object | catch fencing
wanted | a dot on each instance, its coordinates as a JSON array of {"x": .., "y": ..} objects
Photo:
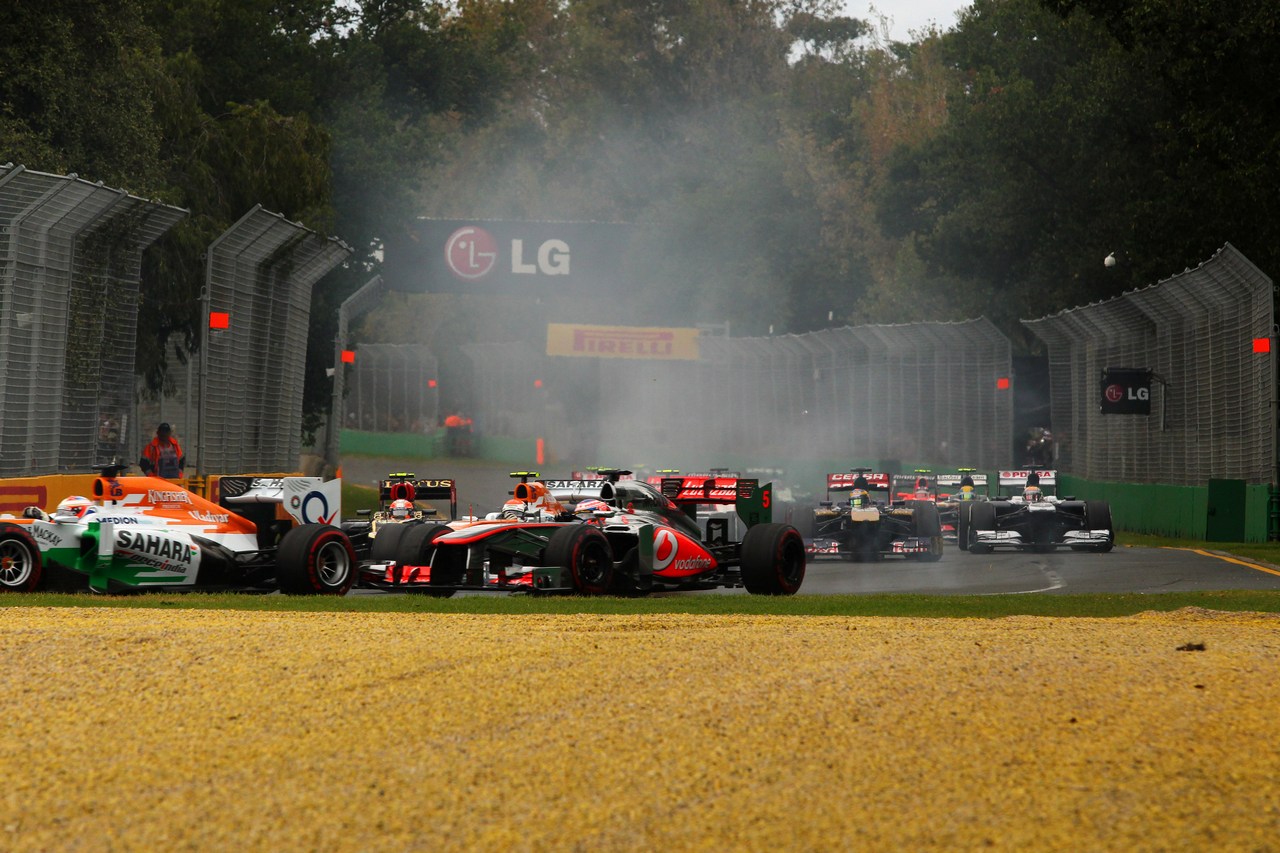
[
  {"x": 1212, "y": 398},
  {"x": 922, "y": 391},
  {"x": 258, "y": 284},
  {"x": 391, "y": 389},
  {"x": 70, "y": 271},
  {"x": 911, "y": 392}
]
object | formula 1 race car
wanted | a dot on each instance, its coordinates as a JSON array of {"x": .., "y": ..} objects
[
  {"x": 622, "y": 537},
  {"x": 1036, "y": 520},
  {"x": 140, "y": 533},
  {"x": 953, "y": 490},
  {"x": 871, "y": 524},
  {"x": 386, "y": 535}
]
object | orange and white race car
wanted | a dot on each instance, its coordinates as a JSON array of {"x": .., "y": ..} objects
[{"x": 145, "y": 533}]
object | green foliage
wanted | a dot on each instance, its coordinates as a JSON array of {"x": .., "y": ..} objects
[
  {"x": 75, "y": 90},
  {"x": 1071, "y": 136},
  {"x": 787, "y": 164}
]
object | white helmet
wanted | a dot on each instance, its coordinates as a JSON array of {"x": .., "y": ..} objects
[
  {"x": 401, "y": 508},
  {"x": 73, "y": 505}
]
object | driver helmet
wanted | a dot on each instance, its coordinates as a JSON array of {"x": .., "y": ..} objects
[
  {"x": 590, "y": 507},
  {"x": 401, "y": 508},
  {"x": 859, "y": 499},
  {"x": 1032, "y": 495},
  {"x": 965, "y": 494},
  {"x": 73, "y": 505}
]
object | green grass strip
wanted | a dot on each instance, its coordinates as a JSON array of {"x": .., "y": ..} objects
[{"x": 934, "y": 606}]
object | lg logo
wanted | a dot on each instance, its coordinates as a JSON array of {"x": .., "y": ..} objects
[
  {"x": 472, "y": 253},
  {"x": 1116, "y": 393}
]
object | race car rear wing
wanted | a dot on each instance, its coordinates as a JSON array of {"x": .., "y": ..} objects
[
  {"x": 1016, "y": 481},
  {"x": 843, "y": 482},
  {"x": 307, "y": 500},
  {"x": 407, "y": 487},
  {"x": 953, "y": 480},
  {"x": 752, "y": 501},
  {"x": 950, "y": 483}
]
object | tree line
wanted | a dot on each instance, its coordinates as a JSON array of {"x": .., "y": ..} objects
[{"x": 794, "y": 168}]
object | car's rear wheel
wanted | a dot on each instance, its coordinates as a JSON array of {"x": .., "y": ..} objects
[
  {"x": 21, "y": 567},
  {"x": 585, "y": 552},
  {"x": 315, "y": 559},
  {"x": 926, "y": 524},
  {"x": 772, "y": 560},
  {"x": 386, "y": 545},
  {"x": 1097, "y": 515},
  {"x": 418, "y": 544}
]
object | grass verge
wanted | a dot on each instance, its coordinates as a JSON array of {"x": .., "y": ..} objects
[{"x": 938, "y": 606}]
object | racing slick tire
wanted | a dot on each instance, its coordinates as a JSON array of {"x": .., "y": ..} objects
[
  {"x": 1097, "y": 515},
  {"x": 21, "y": 567},
  {"x": 981, "y": 517},
  {"x": 927, "y": 525},
  {"x": 772, "y": 560},
  {"x": 585, "y": 552},
  {"x": 417, "y": 545},
  {"x": 386, "y": 545},
  {"x": 962, "y": 524},
  {"x": 315, "y": 559}
]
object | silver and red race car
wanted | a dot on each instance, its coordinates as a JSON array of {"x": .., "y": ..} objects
[{"x": 609, "y": 536}]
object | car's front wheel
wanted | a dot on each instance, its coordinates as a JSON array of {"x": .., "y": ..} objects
[
  {"x": 585, "y": 552},
  {"x": 1097, "y": 516}
]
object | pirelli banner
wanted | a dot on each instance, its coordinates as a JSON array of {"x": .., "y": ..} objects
[
  {"x": 668, "y": 344},
  {"x": 505, "y": 257}
]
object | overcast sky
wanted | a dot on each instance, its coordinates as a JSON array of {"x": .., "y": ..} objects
[{"x": 908, "y": 15}]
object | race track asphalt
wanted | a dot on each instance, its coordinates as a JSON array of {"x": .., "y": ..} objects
[{"x": 483, "y": 485}]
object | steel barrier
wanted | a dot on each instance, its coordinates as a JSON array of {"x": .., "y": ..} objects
[
  {"x": 1212, "y": 398},
  {"x": 258, "y": 279},
  {"x": 70, "y": 268}
]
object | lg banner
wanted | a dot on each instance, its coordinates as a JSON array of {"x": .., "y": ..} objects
[
  {"x": 1126, "y": 391},
  {"x": 490, "y": 256}
]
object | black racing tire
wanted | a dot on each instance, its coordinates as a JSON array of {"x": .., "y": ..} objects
[
  {"x": 386, "y": 545},
  {"x": 417, "y": 545},
  {"x": 585, "y": 552},
  {"x": 981, "y": 517},
  {"x": 772, "y": 560},
  {"x": 926, "y": 524},
  {"x": 925, "y": 520},
  {"x": 315, "y": 559},
  {"x": 1097, "y": 515},
  {"x": 963, "y": 508},
  {"x": 21, "y": 565}
]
